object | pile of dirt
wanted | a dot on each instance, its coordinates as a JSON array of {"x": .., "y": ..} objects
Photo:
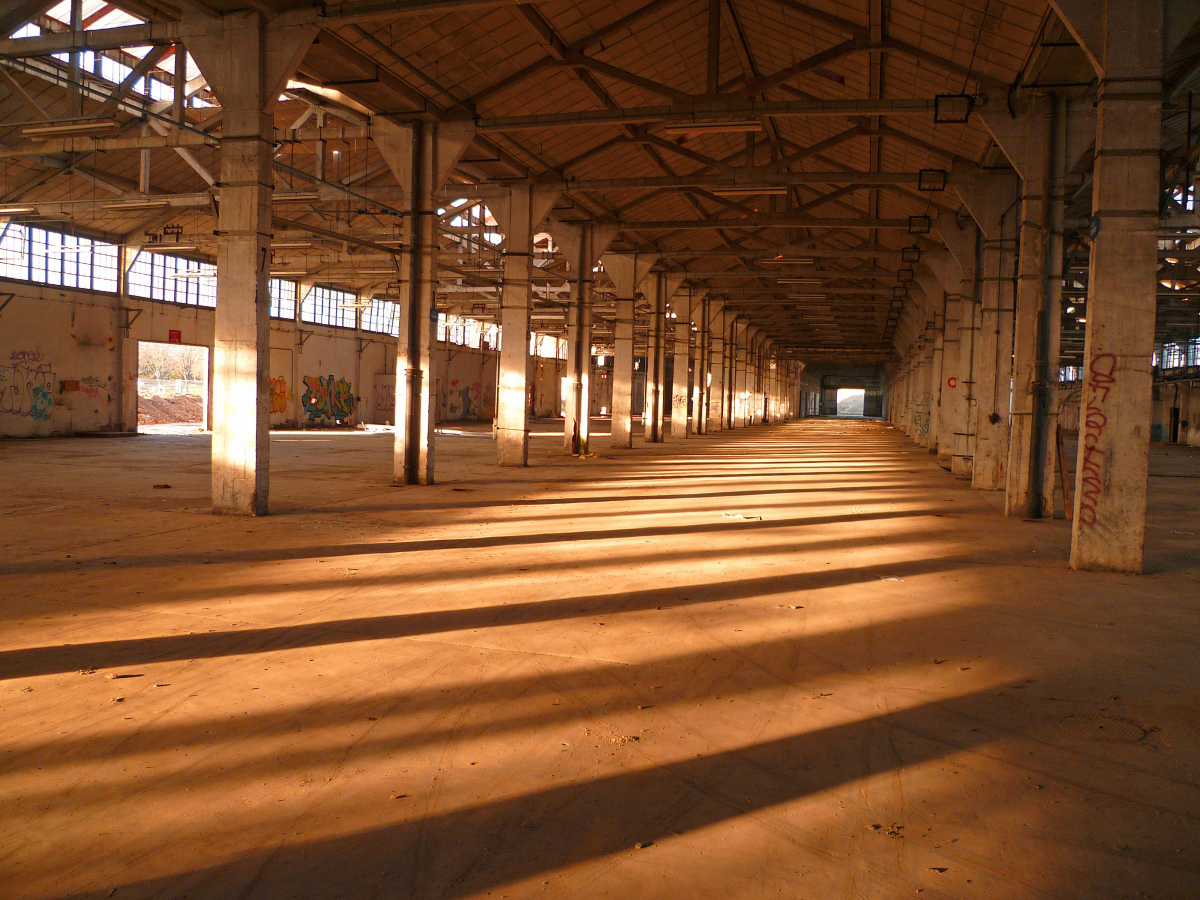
[{"x": 179, "y": 408}]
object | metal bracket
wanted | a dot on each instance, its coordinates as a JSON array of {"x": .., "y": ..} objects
[
  {"x": 129, "y": 320},
  {"x": 8, "y": 298},
  {"x": 363, "y": 343},
  {"x": 304, "y": 336}
]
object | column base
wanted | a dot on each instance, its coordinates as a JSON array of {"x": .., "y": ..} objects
[{"x": 512, "y": 447}]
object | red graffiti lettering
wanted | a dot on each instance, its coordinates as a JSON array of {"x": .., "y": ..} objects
[{"x": 1102, "y": 376}]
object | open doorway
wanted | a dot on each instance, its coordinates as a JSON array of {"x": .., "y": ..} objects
[
  {"x": 172, "y": 388},
  {"x": 850, "y": 401}
]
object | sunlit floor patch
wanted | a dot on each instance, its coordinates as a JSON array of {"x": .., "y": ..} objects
[{"x": 797, "y": 661}]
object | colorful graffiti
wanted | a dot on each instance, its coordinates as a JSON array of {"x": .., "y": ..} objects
[
  {"x": 461, "y": 400},
  {"x": 326, "y": 401},
  {"x": 279, "y": 395},
  {"x": 26, "y": 385},
  {"x": 91, "y": 385}
]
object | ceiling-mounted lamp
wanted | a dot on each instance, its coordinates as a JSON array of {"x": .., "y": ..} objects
[
  {"x": 919, "y": 224},
  {"x": 77, "y": 128},
  {"x": 807, "y": 297},
  {"x": 910, "y": 255},
  {"x": 288, "y": 273},
  {"x": 799, "y": 280},
  {"x": 774, "y": 191},
  {"x": 291, "y": 245},
  {"x": 295, "y": 196},
  {"x": 17, "y": 210},
  {"x": 952, "y": 108},
  {"x": 905, "y": 276},
  {"x": 788, "y": 261},
  {"x": 136, "y": 204},
  {"x": 900, "y": 292},
  {"x": 726, "y": 127},
  {"x": 932, "y": 179}
]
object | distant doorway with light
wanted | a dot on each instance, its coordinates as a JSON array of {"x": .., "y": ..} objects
[{"x": 850, "y": 401}]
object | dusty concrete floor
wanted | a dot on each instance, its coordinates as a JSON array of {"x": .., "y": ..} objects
[{"x": 797, "y": 661}]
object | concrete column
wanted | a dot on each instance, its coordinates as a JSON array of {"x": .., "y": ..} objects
[
  {"x": 1028, "y": 141},
  {"x": 948, "y": 392},
  {"x": 241, "y": 440},
  {"x": 741, "y": 383},
  {"x": 994, "y": 374},
  {"x": 420, "y": 156},
  {"x": 679, "y": 379},
  {"x": 656, "y": 350},
  {"x": 937, "y": 359},
  {"x": 626, "y": 272},
  {"x": 716, "y": 368},
  {"x": 968, "y": 333},
  {"x": 700, "y": 369},
  {"x": 413, "y": 454},
  {"x": 579, "y": 347},
  {"x": 512, "y": 397},
  {"x": 729, "y": 401},
  {"x": 1108, "y": 531},
  {"x": 622, "y": 400},
  {"x": 246, "y": 62}
]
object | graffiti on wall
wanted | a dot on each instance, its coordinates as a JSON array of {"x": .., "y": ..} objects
[
  {"x": 326, "y": 401},
  {"x": 461, "y": 400},
  {"x": 385, "y": 397},
  {"x": 26, "y": 385},
  {"x": 1102, "y": 376},
  {"x": 921, "y": 418},
  {"x": 279, "y": 395},
  {"x": 90, "y": 385}
]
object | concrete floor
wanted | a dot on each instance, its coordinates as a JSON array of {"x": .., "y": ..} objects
[{"x": 798, "y": 661}]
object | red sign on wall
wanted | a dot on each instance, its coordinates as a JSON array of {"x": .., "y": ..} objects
[
  {"x": 951, "y": 381},
  {"x": 174, "y": 337}
]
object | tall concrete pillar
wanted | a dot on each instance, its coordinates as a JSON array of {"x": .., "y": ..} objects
[
  {"x": 741, "y": 375},
  {"x": 626, "y": 272},
  {"x": 968, "y": 249},
  {"x": 579, "y": 346},
  {"x": 512, "y": 398},
  {"x": 936, "y": 360},
  {"x": 948, "y": 386},
  {"x": 1108, "y": 531},
  {"x": 700, "y": 368},
  {"x": 993, "y": 204},
  {"x": 1026, "y": 140},
  {"x": 246, "y": 61},
  {"x": 415, "y": 369},
  {"x": 622, "y": 399},
  {"x": 716, "y": 368},
  {"x": 729, "y": 401},
  {"x": 420, "y": 156},
  {"x": 680, "y": 426},
  {"x": 656, "y": 350}
]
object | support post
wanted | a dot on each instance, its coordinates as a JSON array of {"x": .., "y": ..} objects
[
  {"x": 246, "y": 62},
  {"x": 626, "y": 272},
  {"x": 717, "y": 368},
  {"x": 415, "y": 374},
  {"x": 1108, "y": 531},
  {"x": 700, "y": 369},
  {"x": 679, "y": 379},
  {"x": 512, "y": 398},
  {"x": 993, "y": 203},
  {"x": 579, "y": 347},
  {"x": 656, "y": 361}
]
